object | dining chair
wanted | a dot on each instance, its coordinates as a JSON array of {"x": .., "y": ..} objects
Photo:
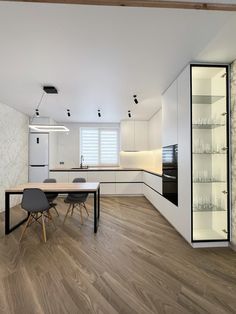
[
  {"x": 51, "y": 196},
  {"x": 76, "y": 200},
  {"x": 35, "y": 202}
]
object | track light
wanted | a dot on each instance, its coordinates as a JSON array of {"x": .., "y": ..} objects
[
  {"x": 129, "y": 114},
  {"x": 135, "y": 99},
  {"x": 37, "y": 112},
  {"x": 99, "y": 113},
  {"x": 68, "y": 112}
]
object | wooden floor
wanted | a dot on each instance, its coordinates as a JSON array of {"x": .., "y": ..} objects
[{"x": 136, "y": 263}]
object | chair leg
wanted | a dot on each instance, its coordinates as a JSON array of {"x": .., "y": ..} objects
[
  {"x": 72, "y": 210},
  {"x": 86, "y": 209},
  {"x": 68, "y": 210},
  {"x": 81, "y": 215},
  {"x": 25, "y": 227},
  {"x": 44, "y": 229},
  {"x": 56, "y": 210}
]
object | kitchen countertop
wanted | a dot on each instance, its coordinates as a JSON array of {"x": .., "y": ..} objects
[{"x": 61, "y": 169}]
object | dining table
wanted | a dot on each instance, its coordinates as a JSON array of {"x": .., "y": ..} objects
[{"x": 60, "y": 188}]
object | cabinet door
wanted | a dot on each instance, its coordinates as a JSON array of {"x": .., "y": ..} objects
[
  {"x": 60, "y": 176},
  {"x": 140, "y": 135},
  {"x": 101, "y": 176},
  {"x": 108, "y": 188},
  {"x": 77, "y": 174},
  {"x": 127, "y": 136},
  {"x": 170, "y": 115},
  {"x": 129, "y": 176},
  {"x": 129, "y": 188}
]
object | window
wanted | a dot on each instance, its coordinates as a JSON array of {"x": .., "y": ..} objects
[{"x": 99, "y": 146}]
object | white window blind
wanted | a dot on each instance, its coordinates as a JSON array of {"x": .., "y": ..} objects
[{"x": 99, "y": 146}]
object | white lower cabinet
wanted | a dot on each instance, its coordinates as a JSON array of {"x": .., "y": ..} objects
[
  {"x": 129, "y": 176},
  {"x": 101, "y": 176},
  {"x": 77, "y": 174},
  {"x": 129, "y": 188},
  {"x": 153, "y": 181},
  {"x": 107, "y": 188},
  {"x": 60, "y": 176}
]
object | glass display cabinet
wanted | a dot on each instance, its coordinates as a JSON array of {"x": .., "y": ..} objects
[{"x": 210, "y": 152}]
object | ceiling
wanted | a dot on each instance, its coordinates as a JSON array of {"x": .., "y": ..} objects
[{"x": 99, "y": 56}]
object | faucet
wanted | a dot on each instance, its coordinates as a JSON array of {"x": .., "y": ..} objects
[{"x": 81, "y": 161}]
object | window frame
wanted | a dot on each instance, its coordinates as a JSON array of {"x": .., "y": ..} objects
[{"x": 117, "y": 129}]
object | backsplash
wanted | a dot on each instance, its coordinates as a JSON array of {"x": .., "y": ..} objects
[
  {"x": 14, "y": 151},
  {"x": 233, "y": 134}
]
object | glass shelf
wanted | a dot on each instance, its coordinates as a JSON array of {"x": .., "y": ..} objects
[
  {"x": 208, "y": 208},
  {"x": 210, "y": 153},
  {"x": 205, "y": 99},
  {"x": 208, "y": 181},
  {"x": 207, "y": 126}
]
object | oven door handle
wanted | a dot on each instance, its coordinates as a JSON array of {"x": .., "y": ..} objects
[{"x": 169, "y": 177}]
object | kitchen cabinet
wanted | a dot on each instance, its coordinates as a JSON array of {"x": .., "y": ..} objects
[
  {"x": 77, "y": 174},
  {"x": 210, "y": 152},
  {"x": 170, "y": 115},
  {"x": 153, "y": 181},
  {"x": 129, "y": 188},
  {"x": 129, "y": 176},
  {"x": 60, "y": 176},
  {"x": 134, "y": 135},
  {"x": 101, "y": 176}
]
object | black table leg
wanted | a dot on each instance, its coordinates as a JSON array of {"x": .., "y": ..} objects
[
  {"x": 95, "y": 212},
  {"x": 98, "y": 202},
  {"x": 9, "y": 229}
]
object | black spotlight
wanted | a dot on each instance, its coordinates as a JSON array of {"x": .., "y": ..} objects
[
  {"x": 37, "y": 112},
  {"x": 99, "y": 113},
  {"x": 129, "y": 114},
  {"x": 135, "y": 99},
  {"x": 68, "y": 112}
]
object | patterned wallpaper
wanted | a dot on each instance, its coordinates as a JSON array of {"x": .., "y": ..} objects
[
  {"x": 13, "y": 151},
  {"x": 233, "y": 139}
]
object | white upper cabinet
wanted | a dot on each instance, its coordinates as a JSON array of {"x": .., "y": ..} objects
[
  {"x": 170, "y": 115},
  {"x": 134, "y": 135}
]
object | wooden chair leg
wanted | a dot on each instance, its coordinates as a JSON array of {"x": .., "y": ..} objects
[
  {"x": 25, "y": 227},
  {"x": 81, "y": 216},
  {"x": 56, "y": 210},
  {"x": 86, "y": 209},
  {"x": 68, "y": 210},
  {"x": 44, "y": 229},
  {"x": 72, "y": 211}
]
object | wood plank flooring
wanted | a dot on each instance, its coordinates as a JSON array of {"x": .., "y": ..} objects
[{"x": 136, "y": 263}]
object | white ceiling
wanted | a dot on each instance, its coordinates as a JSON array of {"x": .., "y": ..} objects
[{"x": 98, "y": 57}]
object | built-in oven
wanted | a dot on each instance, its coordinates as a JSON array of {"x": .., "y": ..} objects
[{"x": 170, "y": 173}]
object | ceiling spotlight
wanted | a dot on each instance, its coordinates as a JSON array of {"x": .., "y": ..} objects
[
  {"x": 68, "y": 112},
  {"x": 135, "y": 99},
  {"x": 129, "y": 114},
  {"x": 99, "y": 113},
  {"x": 37, "y": 112}
]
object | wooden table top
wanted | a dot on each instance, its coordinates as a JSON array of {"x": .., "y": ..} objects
[{"x": 58, "y": 187}]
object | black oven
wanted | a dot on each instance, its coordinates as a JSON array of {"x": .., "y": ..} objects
[{"x": 170, "y": 173}]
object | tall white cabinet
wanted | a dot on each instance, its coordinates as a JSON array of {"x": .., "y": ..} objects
[{"x": 195, "y": 111}]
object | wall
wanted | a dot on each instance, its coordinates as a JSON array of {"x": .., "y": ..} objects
[
  {"x": 14, "y": 151},
  {"x": 152, "y": 159},
  {"x": 67, "y": 145},
  {"x": 233, "y": 139}
]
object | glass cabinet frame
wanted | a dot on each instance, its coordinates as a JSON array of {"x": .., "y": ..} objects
[{"x": 209, "y": 205}]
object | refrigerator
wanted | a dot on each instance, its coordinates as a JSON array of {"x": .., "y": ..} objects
[{"x": 38, "y": 157}]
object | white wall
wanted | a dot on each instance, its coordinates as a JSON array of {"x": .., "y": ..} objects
[
  {"x": 65, "y": 147},
  {"x": 13, "y": 151}
]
